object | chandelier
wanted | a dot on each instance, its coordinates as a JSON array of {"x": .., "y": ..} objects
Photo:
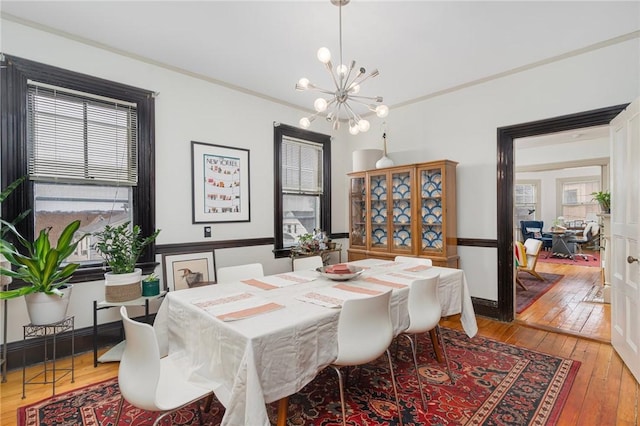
[{"x": 347, "y": 81}]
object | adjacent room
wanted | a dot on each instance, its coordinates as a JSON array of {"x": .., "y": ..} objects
[{"x": 319, "y": 212}]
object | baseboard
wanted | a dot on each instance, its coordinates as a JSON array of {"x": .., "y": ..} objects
[{"x": 33, "y": 349}]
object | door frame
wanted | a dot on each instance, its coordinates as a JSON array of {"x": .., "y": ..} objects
[{"x": 505, "y": 181}]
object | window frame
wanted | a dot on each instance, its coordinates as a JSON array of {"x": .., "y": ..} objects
[
  {"x": 536, "y": 184},
  {"x": 13, "y": 133},
  {"x": 283, "y": 130},
  {"x": 561, "y": 182}
]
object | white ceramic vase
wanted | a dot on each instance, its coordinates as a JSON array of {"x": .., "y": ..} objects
[
  {"x": 48, "y": 308},
  {"x": 384, "y": 161}
]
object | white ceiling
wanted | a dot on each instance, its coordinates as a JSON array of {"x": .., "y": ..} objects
[{"x": 420, "y": 47}]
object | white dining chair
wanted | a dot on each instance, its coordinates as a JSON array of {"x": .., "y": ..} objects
[
  {"x": 418, "y": 260},
  {"x": 424, "y": 315},
  {"x": 230, "y": 274},
  {"x": 149, "y": 382},
  {"x": 365, "y": 332},
  {"x": 306, "y": 263}
]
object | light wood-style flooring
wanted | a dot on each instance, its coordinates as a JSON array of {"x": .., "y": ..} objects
[
  {"x": 604, "y": 393},
  {"x": 562, "y": 309}
]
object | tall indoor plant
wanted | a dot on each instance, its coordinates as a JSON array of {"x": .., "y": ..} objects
[
  {"x": 42, "y": 267},
  {"x": 121, "y": 246},
  {"x": 604, "y": 199}
]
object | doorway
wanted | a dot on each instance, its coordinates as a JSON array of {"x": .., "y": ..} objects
[
  {"x": 555, "y": 176},
  {"x": 505, "y": 182}
]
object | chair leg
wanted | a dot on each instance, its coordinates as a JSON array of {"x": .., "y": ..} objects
[
  {"x": 444, "y": 352},
  {"x": 415, "y": 364},
  {"x": 395, "y": 388},
  {"x": 119, "y": 411},
  {"x": 162, "y": 416},
  {"x": 519, "y": 282},
  {"x": 340, "y": 385}
]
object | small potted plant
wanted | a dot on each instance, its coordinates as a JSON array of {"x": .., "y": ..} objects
[
  {"x": 42, "y": 267},
  {"x": 151, "y": 285},
  {"x": 604, "y": 199},
  {"x": 121, "y": 246}
]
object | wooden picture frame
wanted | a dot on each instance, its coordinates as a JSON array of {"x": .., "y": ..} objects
[
  {"x": 188, "y": 270},
  {"x": 220, "y": 183}
]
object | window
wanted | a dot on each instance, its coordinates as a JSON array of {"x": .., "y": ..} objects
[
  {"x": 526, "y": 200},
  {"x": 577, "y": 203},
  {"x": 86, "y": 145},
  {"x": 302, "y": 185}
]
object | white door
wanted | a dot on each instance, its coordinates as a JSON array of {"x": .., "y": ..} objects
[{"x": 625, "y": 234}]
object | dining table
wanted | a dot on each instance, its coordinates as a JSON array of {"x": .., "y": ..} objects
[{"x": 259, "y": 340}]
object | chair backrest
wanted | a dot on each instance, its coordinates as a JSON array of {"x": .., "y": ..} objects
[
  {"x": 590, "y": 231},
  {"x": 424, "y": 305},
  {"x": 532, "y": 248},
  {"x": 305, "y": 263},
  {"x": 531, "y": 228},
  {"x": 418, "y": 260},
  {"x": 230, "y": 274},
  {"x": 365, "y": 330},
  {"x": 139, "y": 370}
]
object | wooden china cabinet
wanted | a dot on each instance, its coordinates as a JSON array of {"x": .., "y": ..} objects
[{"x": 404, "y": 210}]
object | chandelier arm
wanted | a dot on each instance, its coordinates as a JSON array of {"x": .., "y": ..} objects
[
  {"x": 372, "y": 98},
  {"x": 355, "y": 115},
  {"x": 330, "y": 71},
  {"x": 318, "y": 89},
  {"x": 367, "y": 77},
  {"x": 346, "y": 79}
]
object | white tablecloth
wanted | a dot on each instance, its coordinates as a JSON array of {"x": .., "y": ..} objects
[{"x": 263, "y": 358}]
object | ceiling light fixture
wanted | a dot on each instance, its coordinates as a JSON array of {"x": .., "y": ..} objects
[{"x": 347, "y": 86}]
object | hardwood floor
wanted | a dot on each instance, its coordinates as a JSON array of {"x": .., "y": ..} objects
[
  {"x": 604, "y": 393},
  {"x": 562, "y": 309}
]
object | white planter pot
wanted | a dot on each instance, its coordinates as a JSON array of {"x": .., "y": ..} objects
[
  {"x": 48, "y": 308},
  {"x": 122, "y": 287}
]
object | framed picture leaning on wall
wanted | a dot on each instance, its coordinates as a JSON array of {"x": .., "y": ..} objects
[{"x": 188, "y": 270}]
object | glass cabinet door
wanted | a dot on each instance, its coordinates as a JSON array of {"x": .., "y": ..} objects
[
  {"x": 358, "y": 212},
  {"x": 431, "y": 210},
  {"x": 401, "y": 182},
  {"x": 378, "y": 211}
]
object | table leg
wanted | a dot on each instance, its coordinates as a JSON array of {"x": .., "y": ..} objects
[
  {"x": 95, "y": 334},
  {"x": 283, "y": 405},
  {"x": 436, "y": 345}
]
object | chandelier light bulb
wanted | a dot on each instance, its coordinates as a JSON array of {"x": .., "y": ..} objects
[
  {"x": 305, "y": 123},
  {"x": 303, "y": 83},
  {"x": 341, "y": 70},
  {"x": 354, "y": 130},
  {"x": 324, "y": 55},
  {"x": 382, "y": 111},
  {"x": 363, "y": 125},
  {"x": 320, "y": 104},
  {"x": 355, "y": 89}
]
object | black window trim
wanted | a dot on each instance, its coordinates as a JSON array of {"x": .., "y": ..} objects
[
  {"x": 13, "y": 162},
  {"x": 280, "y": 131}
]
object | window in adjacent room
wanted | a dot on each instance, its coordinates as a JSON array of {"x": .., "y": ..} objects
[
  {"x": 302, "y": 185},
  {"x": 577, "y": 203},
  {"x": 527, "y": 201},
  {"x": 84, "y": 141}
]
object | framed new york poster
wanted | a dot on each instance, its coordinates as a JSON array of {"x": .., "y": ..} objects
[{"x": 220, "y": 179}]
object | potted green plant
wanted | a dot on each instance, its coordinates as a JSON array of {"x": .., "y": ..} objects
[
  {"x": 42, "y": 267},
  {"x": 604, "y": 199},
  {"x": 151, "y": 285},
  {"x": 121, "y": 246}
]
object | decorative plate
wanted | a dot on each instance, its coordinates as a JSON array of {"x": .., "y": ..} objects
[{"x": 325, "y": 271}]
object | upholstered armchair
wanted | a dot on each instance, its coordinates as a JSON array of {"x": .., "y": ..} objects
[{"x": 533, "y": 229}]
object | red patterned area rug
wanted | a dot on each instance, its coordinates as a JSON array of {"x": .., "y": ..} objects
[
  {"x": 496, "y": 384},
  {"x": 593, "y": 259},
  {"x": 535, "y": 288}
]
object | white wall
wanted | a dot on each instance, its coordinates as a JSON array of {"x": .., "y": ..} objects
[
  {"x": 460, "y": 126},
  {"x": 187, "y": 109}
]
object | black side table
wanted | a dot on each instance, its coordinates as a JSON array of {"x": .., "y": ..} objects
[{"x": 48, "y": 374}]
